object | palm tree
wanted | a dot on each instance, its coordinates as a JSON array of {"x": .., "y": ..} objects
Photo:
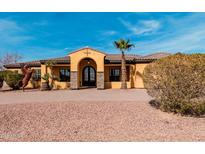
[{"x": 123, "y": 45}]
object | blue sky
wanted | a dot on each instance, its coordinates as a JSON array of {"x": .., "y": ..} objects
[{"x": 46, "y": 35}]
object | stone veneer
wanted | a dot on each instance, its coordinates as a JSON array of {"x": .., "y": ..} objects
[
  {"x": 100, "y": 80},
  {"x": 74, "y": 80}
]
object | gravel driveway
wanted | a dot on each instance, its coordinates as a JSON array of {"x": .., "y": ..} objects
[
  {"x": 36, "y": 96},
  {"x": 91, "y": 115}
]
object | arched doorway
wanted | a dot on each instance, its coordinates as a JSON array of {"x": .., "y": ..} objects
[
  {"x": 89, "y": 76},
  {"x": 87, "y": 73}
]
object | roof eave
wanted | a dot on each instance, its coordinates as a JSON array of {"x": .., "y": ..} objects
[{"x": 55, "y": 61}]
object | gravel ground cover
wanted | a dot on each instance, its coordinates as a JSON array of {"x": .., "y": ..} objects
[
  {"x": 36, "y": 96},
  {"x": 95, "y": 121}
]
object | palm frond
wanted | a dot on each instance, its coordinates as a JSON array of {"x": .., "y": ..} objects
[
  {"x": 123, "y": 44},
  {"x": 116, "y": 44}
]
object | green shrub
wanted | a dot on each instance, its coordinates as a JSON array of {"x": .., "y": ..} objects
[
  {"x": 46, "y": 77},
  {"x": 12, "y": 79},
  {"x": 177, "y": 83},
  {"x": 2, "y": 74},
  {"x": 1, "y": 79},
  {"x": 1, "y": 83}
]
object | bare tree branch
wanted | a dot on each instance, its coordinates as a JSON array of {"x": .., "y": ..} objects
[{"x": 9, "y": 58}]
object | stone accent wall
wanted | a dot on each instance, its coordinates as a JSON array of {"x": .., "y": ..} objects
[
  {"x": 100, "y": 80},
  {"x": 74, "y": 80}
]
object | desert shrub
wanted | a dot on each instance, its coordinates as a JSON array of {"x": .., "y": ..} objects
[
  {"x": 1, "y": 79},
  {"x": 12, "y": 79},
  {"x": 2, "y": 74},
  {"x": 177, "y": 83}
]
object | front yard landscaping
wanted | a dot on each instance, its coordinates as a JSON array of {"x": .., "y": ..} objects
[
  {"x": 97, "y": 118},
  {"x": 177, "y": 83}
]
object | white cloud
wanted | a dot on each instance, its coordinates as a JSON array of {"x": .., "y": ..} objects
[
  {"x": 188, "y": 40},
  {"x": 142, "y": 27},
  {"x": 8, "y": 25},
  {"x": 12, "y": 33},
  {"x": 179, "y": 34},
  {"x": 109, "y": 33}
]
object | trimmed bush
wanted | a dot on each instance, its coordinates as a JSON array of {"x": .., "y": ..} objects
[
  {"x": 177, "y": 83},
  {"x": 12, "y": 79}
]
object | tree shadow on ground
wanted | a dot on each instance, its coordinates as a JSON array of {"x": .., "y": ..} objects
[{"x": 154, "y": 103}]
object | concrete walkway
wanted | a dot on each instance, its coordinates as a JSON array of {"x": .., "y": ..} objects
[{"x": 36, "y": 96}]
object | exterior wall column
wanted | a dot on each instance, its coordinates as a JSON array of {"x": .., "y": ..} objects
[
  {"x": 100, "y": 81},
  {"x": 73, "y": 74},
  {"x": 74, "y": 80},
  {"x": 100, "y": 75}
]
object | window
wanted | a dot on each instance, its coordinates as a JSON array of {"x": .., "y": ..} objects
[
  {"x": 37, "y": 75},
  {"x": 115, "y": 74},
  {"x": 64, "y": 75}
]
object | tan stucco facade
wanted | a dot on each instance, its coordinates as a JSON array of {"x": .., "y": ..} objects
[
  {"x": 79, "y": 60},
  {"x": 77, "y": 64},
  {"x": 77, "y": 56}
]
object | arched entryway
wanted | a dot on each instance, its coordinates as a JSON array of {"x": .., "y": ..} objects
[
  {"x": 86, "y": 57},
  {"x": 87, "y": 73},
  {"x": 89, "y": 76}
]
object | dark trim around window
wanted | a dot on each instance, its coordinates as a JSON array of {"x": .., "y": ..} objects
[
  {"x": 64, "y": 75},
  {"x": 115, "y": 74},
  {"x": 37, "y": 75}
]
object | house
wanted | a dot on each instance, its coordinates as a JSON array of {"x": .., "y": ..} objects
[{"x": 88, "y": 67}]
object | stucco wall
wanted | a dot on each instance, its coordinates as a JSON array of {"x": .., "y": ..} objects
[
  {"x": 115, "y": 84},
  {"x": 56, "y": 72},
  {"x": 134, "y": 71},
  {"x": 135, "y": 79},
  {"x": 77, "y": 57},
  {"x": 136, "y": 75},
  {"x": 60, "y": 84}
]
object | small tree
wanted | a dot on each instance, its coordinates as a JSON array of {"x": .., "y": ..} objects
[
  {"x": 13, "y": 79},
  {"x": 9, "y": 58},
  {"x": 123, "y": 45}
]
